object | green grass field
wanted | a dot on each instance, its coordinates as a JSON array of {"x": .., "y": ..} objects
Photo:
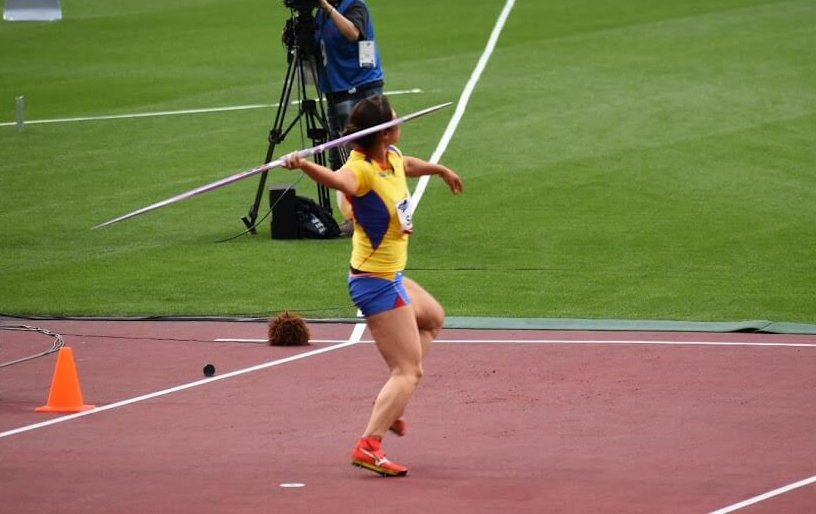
[{"x": 622, "y": 160}]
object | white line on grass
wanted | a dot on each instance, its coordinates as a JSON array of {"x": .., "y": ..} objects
[
  {"x": 449, "y": 131},
  {"x": 462, "y": 103},
  {"x": 355, "y": 337},
  {"x": 559, "y": 341},
  {"x": 453, "y": 124},
  {"x": 763, "y": 497},
  {"x": 175, "y": 113}
]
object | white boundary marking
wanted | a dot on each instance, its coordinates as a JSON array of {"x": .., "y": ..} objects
[
  {"x": 462, "y": 103},
  {"x": 175, "y": 113},
  {"x": 352, "y": 340},
  {"x": 765, "y": 496},
  {"x": 559, "y": 341}
]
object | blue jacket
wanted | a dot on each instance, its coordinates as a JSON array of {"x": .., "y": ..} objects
[{"x": 341, "y": 57}]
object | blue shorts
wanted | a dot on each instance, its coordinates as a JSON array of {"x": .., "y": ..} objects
[{"x": 373, "y": 295}]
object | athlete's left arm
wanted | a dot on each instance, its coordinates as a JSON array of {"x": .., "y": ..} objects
[{"x": 416, "y": 167}]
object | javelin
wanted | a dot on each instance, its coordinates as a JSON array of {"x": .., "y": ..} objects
[{"x": 273, "y": 164}]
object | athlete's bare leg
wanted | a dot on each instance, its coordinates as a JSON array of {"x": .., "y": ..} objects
[{"x": 398, "y": 340}]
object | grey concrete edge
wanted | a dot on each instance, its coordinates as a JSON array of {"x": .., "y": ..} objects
[
  {"x": 762, "y": 326},
  {"x": 496, "y": 323}
]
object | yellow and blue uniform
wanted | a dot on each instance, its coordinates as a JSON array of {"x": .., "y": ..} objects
[{"x": 381, "y": 229}]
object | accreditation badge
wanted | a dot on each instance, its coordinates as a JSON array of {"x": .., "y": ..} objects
[{"x": 368, "y": 54}]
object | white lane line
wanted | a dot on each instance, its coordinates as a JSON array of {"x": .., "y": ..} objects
[
  {"x": 182, "y": 387},
  {"x": 461, "y": 105},
  {"x": 765, "y": 496},
  {"x": 176, "y": 113},
  {"x": 557, "y": 341}
]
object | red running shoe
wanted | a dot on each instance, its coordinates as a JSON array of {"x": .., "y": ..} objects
[
  {"x": 368, "y": 454},
  {"x": 399, "y": 427}
]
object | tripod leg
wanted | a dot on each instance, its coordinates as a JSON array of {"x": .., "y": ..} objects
[
  {"x": 318, "y": 133},
  {"x": 317, "y": 127},
  {"x": 276, "y": 136}
]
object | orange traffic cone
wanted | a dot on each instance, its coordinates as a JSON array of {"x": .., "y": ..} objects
[{"x": 65, "y": 395}]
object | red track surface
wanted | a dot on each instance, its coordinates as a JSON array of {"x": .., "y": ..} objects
[{"x": 495, "y": 427}]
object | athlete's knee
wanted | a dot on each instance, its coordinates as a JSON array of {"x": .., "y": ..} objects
[
  {"x": 411, "y": 374},
  {"x": 416, "y": 373},
  {"x": 433, "y": 320}
]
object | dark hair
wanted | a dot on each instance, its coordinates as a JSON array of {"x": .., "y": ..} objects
[{"x": 369, "y": 112}]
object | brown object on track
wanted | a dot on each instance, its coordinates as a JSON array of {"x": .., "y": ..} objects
[{"x": 288, "y": 329}]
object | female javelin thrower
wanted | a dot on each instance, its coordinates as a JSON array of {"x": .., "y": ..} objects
[{"x": 403, "y": 317}]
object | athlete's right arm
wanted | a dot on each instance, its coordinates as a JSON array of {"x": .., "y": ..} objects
[{"x": 343, "y": 180}]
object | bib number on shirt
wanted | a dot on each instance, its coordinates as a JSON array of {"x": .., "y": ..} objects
[{"x": 405, "y": 216}]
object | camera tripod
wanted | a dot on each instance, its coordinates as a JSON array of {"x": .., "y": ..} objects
[{"x": 302, "y": 69}]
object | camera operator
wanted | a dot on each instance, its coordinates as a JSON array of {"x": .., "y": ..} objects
[{"x": 351, "y": 67}]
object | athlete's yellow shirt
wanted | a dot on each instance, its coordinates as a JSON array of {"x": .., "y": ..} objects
[{"x": 380, "y": 204}]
